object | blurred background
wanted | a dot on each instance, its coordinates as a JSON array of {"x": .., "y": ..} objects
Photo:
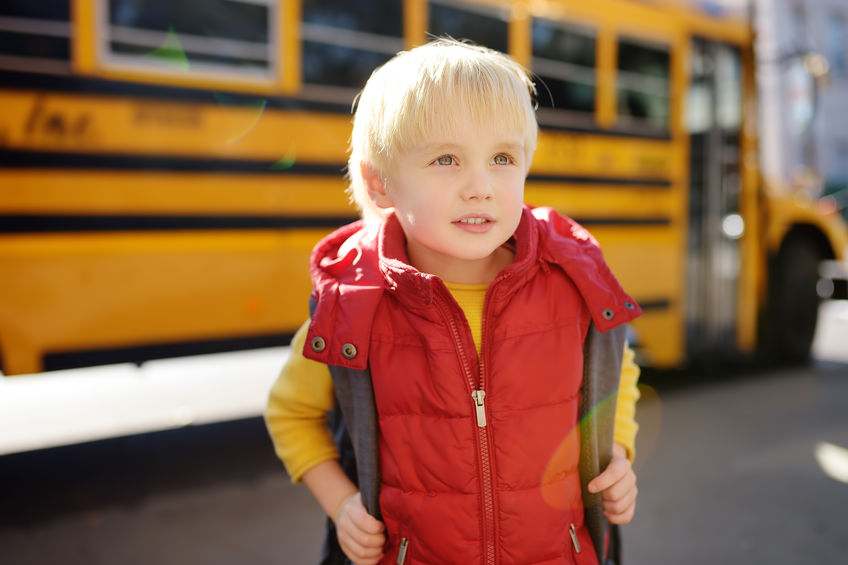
[{"x": 167, "y": 165}]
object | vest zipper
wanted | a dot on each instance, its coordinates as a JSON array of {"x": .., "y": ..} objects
[
  {"x": 478, "y": 395},
  {"x": 488, "y": 489},
  {"x": 574, "y": 539},
  {"x": 404, "y": 545},
  {"x": 488, "y": 496}
]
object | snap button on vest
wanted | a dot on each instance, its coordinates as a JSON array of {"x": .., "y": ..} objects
[
  {"x": 608, "y": 314},
  {"x": 349, "y": 351},
  {"x": 318, "y": 344}
]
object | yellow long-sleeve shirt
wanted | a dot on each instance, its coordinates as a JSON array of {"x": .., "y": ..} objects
[{"x": 296, "y": 414}]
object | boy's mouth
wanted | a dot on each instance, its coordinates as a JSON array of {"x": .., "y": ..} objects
[
  {"x": 474, "y": 219},
  {"x": 474, "y": 223}
]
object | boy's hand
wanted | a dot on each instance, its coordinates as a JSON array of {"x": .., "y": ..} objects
[
  {"x": 360, "y": 534},
  {"x": 617, "y": 485}
]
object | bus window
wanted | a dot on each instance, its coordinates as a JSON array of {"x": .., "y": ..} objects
[
  {"x": 35, "y": 36},
  {"x": 343, "y": 42},
  {"x": 225, "y": 37},
  {"x": 483, "y": 25},
  {"x": 564, "y": 67},
  {"x": 643, "y": 84}
]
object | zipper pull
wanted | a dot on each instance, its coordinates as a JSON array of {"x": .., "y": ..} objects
[
  {"x": 404, "y": 545},
  {"x": 574, "y": 539},
  {"x": 479, "y": 397}
]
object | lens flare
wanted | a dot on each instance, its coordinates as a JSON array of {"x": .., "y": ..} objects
[
  {"x": 249, "y": 113},
  {"x": 557, "y": 492},
  {"x": 287, "y": 162},
  {"x": 170, "y": 53},
  {"x": 562, "y": 494}
]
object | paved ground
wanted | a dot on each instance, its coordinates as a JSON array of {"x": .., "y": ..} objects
[
  {"x": 749, "y": 469},
  {"x": 211, "y": 494}
]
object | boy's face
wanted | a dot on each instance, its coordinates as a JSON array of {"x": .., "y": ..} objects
[{"x": 458, "y": 196}]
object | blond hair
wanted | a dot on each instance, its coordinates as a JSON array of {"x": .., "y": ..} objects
[{"x": 418, "y": 92}]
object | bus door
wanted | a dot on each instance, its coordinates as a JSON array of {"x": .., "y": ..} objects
[{"x": 714, "y": 120}]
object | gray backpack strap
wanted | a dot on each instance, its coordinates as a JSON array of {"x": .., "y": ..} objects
[
  {"x": 354, "y": 426},
  {"x": 353, "y": 423},
  {"x": 602, "y": 356},
  {"x": 355, "y": 398}
]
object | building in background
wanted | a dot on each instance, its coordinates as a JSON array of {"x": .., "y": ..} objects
[{"x": 804, "y": 120}]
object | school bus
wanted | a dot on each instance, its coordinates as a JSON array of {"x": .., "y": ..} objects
[{"x": 166, "y": 167}]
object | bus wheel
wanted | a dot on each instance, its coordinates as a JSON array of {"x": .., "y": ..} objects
[{"x": 794, "y": 301}]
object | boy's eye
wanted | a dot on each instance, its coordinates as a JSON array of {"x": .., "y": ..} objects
[
  {"x": 445, "y": 160},
  {"x": 501, "y": 159}
]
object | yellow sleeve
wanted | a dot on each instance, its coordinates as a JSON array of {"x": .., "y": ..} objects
[
  {"x": 296, "y": 414},
  {"x": 625, "y": 409}
]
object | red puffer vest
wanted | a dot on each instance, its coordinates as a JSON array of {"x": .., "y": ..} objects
[{"x": 477, "y": 455}]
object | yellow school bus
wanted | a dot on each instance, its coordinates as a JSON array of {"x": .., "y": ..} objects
[{"x": 167, "y": 165}]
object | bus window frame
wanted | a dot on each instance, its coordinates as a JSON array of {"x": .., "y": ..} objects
[
  {"x": 494, "y": 11},
  {"x": 349, "y": 38},
  {"x": 567, "y": 118},
  {"x": 643, "y": 126},
  {"x": 202, "y": 74},
  {"x": 39, "y": 27}
]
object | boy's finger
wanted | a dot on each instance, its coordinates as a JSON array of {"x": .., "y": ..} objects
[
  {"x": 621, "y": 488},
  {"x": 609, "y": 477},
  {"x": 368, "y": 524},
  {"x": 367, "y": 551},
  {"x": 354, "y": 547},
  {"x": 365, "y": 521},
  {"x": 363, "y": 556},
  {"x": 622, "y": 503},
  {"x": 623, "y": 518},
  {"x": 622, "y": 512},
  {"x": 370, "y": 541}
]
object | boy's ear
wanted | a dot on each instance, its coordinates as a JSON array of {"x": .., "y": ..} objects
[{"x": 376, "y": 186}]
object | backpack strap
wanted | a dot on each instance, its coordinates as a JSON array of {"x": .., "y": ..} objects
[
  {"x": 602, "y": 357},
  {"x": 353, "y": 423}
]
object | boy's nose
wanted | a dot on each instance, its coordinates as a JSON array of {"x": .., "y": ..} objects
[{"x": 478, "y": 187}]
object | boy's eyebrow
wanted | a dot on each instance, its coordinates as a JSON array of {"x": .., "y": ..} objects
[
  {"x": 516, "y": 144},
  {"x": 435, "y": 146},
  {"x": 513, "y": 144}
]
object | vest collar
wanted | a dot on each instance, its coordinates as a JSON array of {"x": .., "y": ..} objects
[{"x": 348, "y": 287}]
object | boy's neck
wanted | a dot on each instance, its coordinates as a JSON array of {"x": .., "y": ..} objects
[{"x": 461, "y": 271}]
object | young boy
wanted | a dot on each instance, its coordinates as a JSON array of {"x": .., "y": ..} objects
[{"x": 465, "y": 334}]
